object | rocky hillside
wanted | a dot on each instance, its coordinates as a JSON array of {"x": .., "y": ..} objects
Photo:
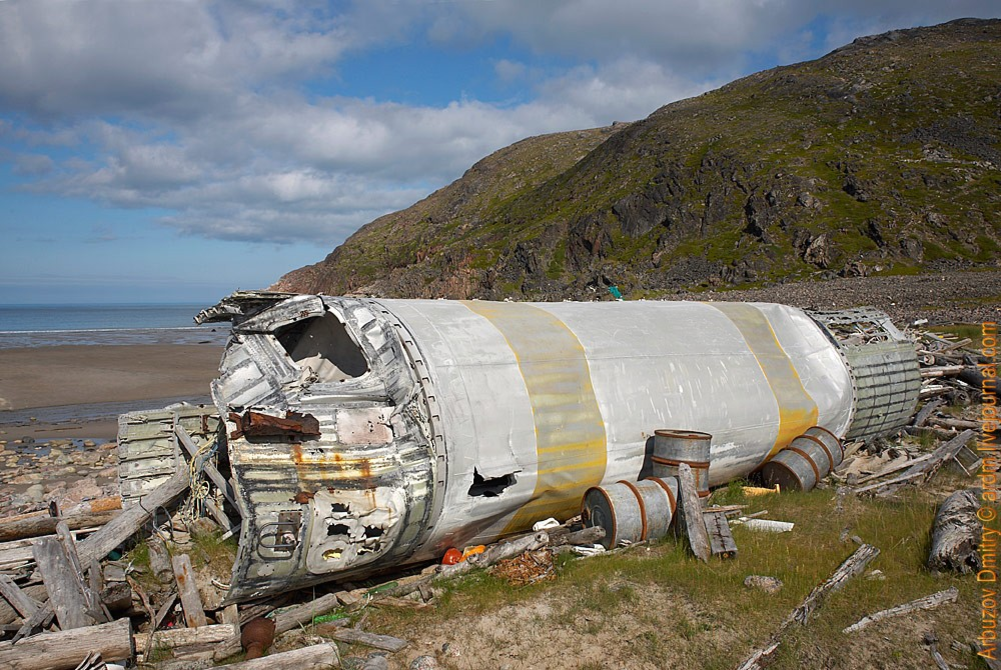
[{"x": 883, "y": 156}]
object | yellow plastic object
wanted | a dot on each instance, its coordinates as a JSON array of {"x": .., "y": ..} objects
[{"x": 759, "y": 491}]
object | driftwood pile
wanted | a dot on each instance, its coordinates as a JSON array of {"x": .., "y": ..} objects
[{"x": 64, "y": 605}]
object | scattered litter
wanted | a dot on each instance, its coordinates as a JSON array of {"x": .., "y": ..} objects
[{"x": 768, "y": 525}]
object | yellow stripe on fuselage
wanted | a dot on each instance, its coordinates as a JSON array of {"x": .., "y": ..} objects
[
  {"x": 797, "y": 410},
  {"x": 569, "y": 430}
]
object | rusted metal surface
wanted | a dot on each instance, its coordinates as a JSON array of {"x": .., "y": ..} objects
[{"x": 450, "y": 423}]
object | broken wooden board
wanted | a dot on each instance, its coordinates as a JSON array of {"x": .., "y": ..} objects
[
  {"x": 191, "y": 602},
  {"x": 720, "y": 538},
  {"x": 690, "y": 508},
  {"x": 355, "y": 636},
  {"x": 65, "y": 649}
]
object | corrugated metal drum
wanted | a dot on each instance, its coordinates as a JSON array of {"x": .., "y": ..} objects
[
  {"x": 808, "y": 459},
  {"x": 830, "y": 443},
  {"x": 631, "y": 511},
  {"x": 671, "y": 448}
]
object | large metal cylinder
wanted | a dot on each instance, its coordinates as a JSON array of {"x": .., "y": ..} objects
[
  {"x": 671, "y": 448},
  {"x": 808, "y": 459},
  {"x": 631, "y": 511},
  {"x": 438, "y": 423}
]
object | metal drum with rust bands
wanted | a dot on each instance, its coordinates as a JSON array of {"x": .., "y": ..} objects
[
  {"x": 808, "y": 459},
  {"x": 631, "y": 511},
  {"x": 671, "y": 448}
]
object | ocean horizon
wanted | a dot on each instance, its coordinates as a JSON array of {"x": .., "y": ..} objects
[{"x": 118, "y": 323}]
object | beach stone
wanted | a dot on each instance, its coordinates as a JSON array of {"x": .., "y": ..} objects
[
  {"x": 62, "y": 459},
  {"x": 766, "y": 584},
  {"x": 36, "y": 493},
  {"x": 89, "y": 443},
  {"x": 27, "y": 478},
  {"x": 424, "y": 663}
]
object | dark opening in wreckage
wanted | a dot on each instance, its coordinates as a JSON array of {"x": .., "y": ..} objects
[{"x": 362, "y": 434}]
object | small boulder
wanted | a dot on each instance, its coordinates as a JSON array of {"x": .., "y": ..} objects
[{"x": 766, "y": 584}]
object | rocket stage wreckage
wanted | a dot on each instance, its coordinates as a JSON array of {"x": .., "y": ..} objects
[{"x": 366, "y": 433}]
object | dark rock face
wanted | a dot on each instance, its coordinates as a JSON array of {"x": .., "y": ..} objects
[{"x": 881, "y": 156}]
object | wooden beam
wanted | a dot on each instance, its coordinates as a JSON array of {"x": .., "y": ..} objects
[
  {"x": 18, "y": 599},
  {"x": 96, "y": 546},
  {"x": 65, "y": 649},
  {"x": 355, "y": 636},
  {"x": 316, "y": 657},
  {"x": 191, "y": 602}
]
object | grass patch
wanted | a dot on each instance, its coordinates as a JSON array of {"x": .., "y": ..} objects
[{"x": 660, "y": 607}]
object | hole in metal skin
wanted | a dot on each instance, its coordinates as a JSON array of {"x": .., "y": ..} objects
[{"x": 490, "y": 488}]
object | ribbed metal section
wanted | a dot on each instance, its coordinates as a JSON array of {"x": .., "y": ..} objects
[
  {"x": 883, "y": 363},
  {"x": 887, "y": 383}
]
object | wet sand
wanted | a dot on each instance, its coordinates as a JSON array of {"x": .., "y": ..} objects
[{"x": 78, "y": 391}]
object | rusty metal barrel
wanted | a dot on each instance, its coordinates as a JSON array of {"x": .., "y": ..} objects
[
  {"x": 631, "y": 511},
  {"x": 808, "y": 459},
  {"x": 671, "y": 448}
]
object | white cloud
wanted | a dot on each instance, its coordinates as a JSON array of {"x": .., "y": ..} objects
[{"x": 204, "y": 108}]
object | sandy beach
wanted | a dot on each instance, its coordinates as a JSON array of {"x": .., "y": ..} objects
[{"x": 77, "y": 391}]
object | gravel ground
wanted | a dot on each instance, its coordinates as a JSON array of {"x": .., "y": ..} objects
[{"x": 942, "y": 298}]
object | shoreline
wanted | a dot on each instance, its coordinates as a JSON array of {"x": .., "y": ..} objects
[{"x": 70, "y": 391}]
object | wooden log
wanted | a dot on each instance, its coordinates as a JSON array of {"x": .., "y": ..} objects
[
  {"x": 959, "y": 424},
  {"x": 956, "y": 534},
  {"x": 46, "y": 525},
  {"x": 355, "y": 636},
  {"x": 925, "y": 412},
  {"x": 64, "y": 585},
  {"x": 586, "y": 536},
  {"x": 159, "y": 558},
  {"x": 65, "y": 649},
  {"x": 851, "y": 567},
  {"x": 941, "y": 371},
  {"x": 213, "y": 473},
  {"x": 690, "y": 509},
  {"x": 316, "y": 657},
  {"x": 191, "y": 602},
  {"x": 285, "y": 621},
  {"x": 926, "y": 469},
  {"x": 494, "y": 554},
  {"x": 125, "y": 525},
  {"x": 937, "y": 433},
  {"x": 720, "y": 538},
  {"x": 19, "y": 600},
  {"x": 926, "y": 603},
  {"x": 183, "y": 637},
  {"x": 86, "y": 507}
]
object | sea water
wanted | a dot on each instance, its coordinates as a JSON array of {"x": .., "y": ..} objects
[{"x": 51, "y": 325}]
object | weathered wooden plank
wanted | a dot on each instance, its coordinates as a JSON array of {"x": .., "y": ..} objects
[
  {"x": 65, "y": 649},
  {"x": 182, "y": 637},
  {"x": 355, "y": 636},
  {"x": 720, "y": 538},
  {"x": 316, "y": 657},
  {"x": 18, "y": 599},
  {"x": 191, "y": 602},
  {"x": 690, "y": 509},
  {"x": 63, "y": 583},
  {"x": 926, "y": 603}
]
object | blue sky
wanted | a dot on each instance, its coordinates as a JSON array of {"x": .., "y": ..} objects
[{"x": 174, "y": 151}]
